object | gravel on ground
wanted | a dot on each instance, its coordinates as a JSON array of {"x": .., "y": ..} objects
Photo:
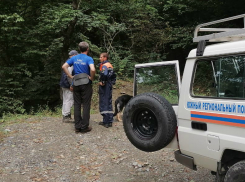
[{"x": 46, "y": 149}]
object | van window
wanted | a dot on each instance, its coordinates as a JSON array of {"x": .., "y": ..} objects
[
  {"x": 221, "y": 78},
  {"x": 158, "y": 79}
]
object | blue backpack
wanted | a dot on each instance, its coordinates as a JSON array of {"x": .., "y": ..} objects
[{"x": 64, "y": 81}]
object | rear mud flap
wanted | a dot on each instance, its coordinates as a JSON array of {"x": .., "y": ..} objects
[{"x": 185, "y": 160}]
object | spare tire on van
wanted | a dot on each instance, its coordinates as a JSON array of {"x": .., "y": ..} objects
[{"x": 149, "y": 122}]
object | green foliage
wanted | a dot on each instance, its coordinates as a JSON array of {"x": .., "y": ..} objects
[
  {"x": 35, "y": 37},
  {"x": 9, "y": 104}
]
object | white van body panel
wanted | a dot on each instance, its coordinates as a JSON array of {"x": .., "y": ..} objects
[{"x": 196, "y": 143}]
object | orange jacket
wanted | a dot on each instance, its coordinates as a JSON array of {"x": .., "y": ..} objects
[{"x": 107, "y": 64}]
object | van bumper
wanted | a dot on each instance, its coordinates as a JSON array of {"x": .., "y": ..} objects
[{"x": 185, "y": 160}]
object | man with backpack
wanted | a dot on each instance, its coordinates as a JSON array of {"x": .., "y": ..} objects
[{"x": 65, "y": 83}]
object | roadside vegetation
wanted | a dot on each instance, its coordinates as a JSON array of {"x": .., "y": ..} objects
[
  {"x": 40, "y": 112},
  {"x": 9, "y": 119},
  {"x": 36, "y": 36}
]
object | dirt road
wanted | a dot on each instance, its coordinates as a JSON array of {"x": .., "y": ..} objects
[{"x": 45, "y": 149}]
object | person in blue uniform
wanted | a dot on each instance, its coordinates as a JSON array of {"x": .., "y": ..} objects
[
  {"x": 82, "y": 64},
  {"x": 107, "y": 79}
]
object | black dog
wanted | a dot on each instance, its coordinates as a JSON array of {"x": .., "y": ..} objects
[{"x": 120, "y": 103}]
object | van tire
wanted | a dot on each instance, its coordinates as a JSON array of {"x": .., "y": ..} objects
[
  {"x": 149, "y": 122},
  {"x": 236, "y": 173}
]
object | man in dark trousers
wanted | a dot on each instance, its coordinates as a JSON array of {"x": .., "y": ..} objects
[
  {"x": 82, "y": 93},
  {"x": 107, "y": 79}
]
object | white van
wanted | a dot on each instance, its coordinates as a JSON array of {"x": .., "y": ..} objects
[{"x": 203, "y": 115}]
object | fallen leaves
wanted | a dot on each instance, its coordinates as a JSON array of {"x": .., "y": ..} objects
[
  {"x": 38, "y": 140},
  {"x": 139, "y": 164},
  {"x": 92, "y": 172}
]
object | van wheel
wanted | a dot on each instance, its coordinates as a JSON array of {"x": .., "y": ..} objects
[
  {"x": 236, "y": 173},
  {"x": 149, "y": 122}
]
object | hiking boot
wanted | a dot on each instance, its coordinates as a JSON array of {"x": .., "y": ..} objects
[
  {"x": 69, "y": 115},
  {"x": 88, "y": 129},
  {"x": 107, "y": 125},
  {"x": 67, "y": 119},
  {"x": 101, "y": 123}
]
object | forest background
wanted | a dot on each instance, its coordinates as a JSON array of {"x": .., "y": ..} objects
[{"x": 36, "y": 36}]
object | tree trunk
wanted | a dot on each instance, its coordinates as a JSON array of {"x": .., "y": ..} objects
[
  {"x": 67, "y": 41},
  {"x": 68, "y": 33}
]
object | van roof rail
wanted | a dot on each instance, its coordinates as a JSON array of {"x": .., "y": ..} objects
[{"x": 226, "y": 34}]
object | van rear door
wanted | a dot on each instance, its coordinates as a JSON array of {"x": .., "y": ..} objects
[{"x": 162, "y": 78}]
